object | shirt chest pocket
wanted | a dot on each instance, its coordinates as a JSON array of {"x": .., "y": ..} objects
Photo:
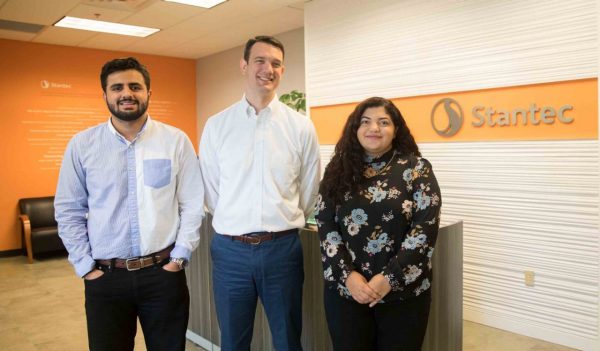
[
  {"x": 285, "y": 169},
  {"x": 157, "y": 172}
]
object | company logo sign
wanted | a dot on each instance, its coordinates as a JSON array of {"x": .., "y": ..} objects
[
  {"x": 46, "y": 85},
  {"x": 533, "y": 115},
  {"x": 447, "y": 117}
]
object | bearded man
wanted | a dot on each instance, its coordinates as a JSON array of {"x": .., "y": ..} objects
[{"x": 129, "y": 207}]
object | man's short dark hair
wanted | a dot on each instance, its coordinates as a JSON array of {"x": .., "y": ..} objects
[
  {"x": 123, "y": 64},
  {"x": 262, "y": 39}
]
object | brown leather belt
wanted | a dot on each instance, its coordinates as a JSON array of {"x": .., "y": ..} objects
[
  {"x": 135, "y": 263},
  {"x": 260, "y": 237}
]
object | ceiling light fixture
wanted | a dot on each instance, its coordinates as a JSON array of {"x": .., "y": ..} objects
[
  {"x": 200, "y": 3},
  {"x": 104, "y": 27}
]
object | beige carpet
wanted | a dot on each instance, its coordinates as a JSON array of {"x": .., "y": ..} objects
[{"x": 41, "y": 308}]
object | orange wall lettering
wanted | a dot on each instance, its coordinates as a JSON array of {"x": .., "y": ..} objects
[{"x": 51, "y": 92}]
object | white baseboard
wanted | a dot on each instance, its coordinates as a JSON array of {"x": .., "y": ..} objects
[{"x": 200, "y": 341}]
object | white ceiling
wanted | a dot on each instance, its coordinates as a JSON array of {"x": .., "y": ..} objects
[{"x": 185, "y": 31}]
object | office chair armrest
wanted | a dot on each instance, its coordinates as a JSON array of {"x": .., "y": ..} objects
[{"x": 26, "y": 225}]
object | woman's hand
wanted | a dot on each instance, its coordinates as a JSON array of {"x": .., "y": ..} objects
[
  {"x": 360, "y": 289},
  {"x": 380, "y": 285}
]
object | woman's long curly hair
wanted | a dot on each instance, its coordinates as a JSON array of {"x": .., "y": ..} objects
[{"x": 344, "y": 173}]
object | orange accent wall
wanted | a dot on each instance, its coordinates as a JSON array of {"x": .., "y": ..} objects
[
  {"x": 49, "y": 93},
  {"x": 581, "y": 94}
]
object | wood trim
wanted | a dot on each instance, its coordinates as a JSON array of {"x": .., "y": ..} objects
[{"x": 26, "y": 226}]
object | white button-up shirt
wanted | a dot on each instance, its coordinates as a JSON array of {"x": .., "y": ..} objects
[{"x": 261, "y": 171}]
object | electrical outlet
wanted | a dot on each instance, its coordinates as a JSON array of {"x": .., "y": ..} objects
[{"x": 529, "y": 278}]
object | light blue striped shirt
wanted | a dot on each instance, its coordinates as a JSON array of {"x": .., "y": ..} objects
[{"x": 121, "y": 199}]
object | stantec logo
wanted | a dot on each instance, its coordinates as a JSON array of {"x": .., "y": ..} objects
[
  {"x": 447, "y": 121},
  {"x": 46, "y": 85}
]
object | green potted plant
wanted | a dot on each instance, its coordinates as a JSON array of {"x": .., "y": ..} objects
[{"x": 294, "y": 99}]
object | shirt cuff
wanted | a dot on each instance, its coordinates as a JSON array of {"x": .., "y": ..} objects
[
  {"x": 389, "y": 276},
  {"x": 84, "y": 266},
  {"x": 346, "y": 271},
  {"x": 181, "y": 252}
]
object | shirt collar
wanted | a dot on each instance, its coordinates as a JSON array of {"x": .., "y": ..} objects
[
  {"x": 385, "y": 157},
  {"x": 251, "y": 112},
  {"x": 147, "y": 125}
]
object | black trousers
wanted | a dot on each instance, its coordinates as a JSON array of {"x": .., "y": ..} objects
[
  {"x": 158, "y": 297},
  {"x": 392, "y": 326}
]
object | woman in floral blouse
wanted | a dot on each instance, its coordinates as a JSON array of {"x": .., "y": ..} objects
[{"x": 378, "y": 219}]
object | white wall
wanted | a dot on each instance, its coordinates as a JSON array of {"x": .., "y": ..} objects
[
  {"x": 220, "y": 83},
  {"x": 530, "y": 205},
  {"x": 414, "y": 47}
]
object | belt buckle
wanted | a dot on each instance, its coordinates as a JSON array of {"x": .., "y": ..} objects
[
  {"x": 258, "y": 240},
  {"x": 131, "y": 260}
]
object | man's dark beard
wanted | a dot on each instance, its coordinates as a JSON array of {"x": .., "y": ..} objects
[{"x": 128, "y": 116}]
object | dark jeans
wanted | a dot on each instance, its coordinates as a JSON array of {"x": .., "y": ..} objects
[
  {"x": 272, "y": 270},
  {"x": 114, "y": 301},
  {"x": 393, "y": 326}
]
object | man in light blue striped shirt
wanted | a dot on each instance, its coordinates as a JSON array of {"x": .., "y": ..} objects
[{"x": 129, "y": 207}]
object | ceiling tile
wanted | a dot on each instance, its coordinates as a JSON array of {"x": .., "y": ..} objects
[
  {"x": 219, "y": 41},
  {"x": 36, "y": 11},
  {"x": 186, "y": 31},
  {"x": 280, "y": 20},
  {"x": 63, "y": 36},
  {"x": 108, "y": 41},
  {"x": 226, "y": 14},
  {"x": 10, "y": 34},
  {"x": 124, "y": 5},
  {"x": 163, "y": 15},
  {"x": 103, "y": 14}
]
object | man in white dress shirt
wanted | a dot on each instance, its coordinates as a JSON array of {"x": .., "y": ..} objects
[{"x": 260, "y": 164}]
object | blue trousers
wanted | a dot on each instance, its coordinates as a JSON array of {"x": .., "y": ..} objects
[{"x": 272, "y": 271}]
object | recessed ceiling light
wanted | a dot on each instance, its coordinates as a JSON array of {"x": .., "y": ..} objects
[
  {"x": 200, "y": 3},
  {"x": 104, "y": 27}
]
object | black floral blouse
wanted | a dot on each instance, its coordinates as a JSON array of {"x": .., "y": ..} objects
[{"x": 390, "y": 226}]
